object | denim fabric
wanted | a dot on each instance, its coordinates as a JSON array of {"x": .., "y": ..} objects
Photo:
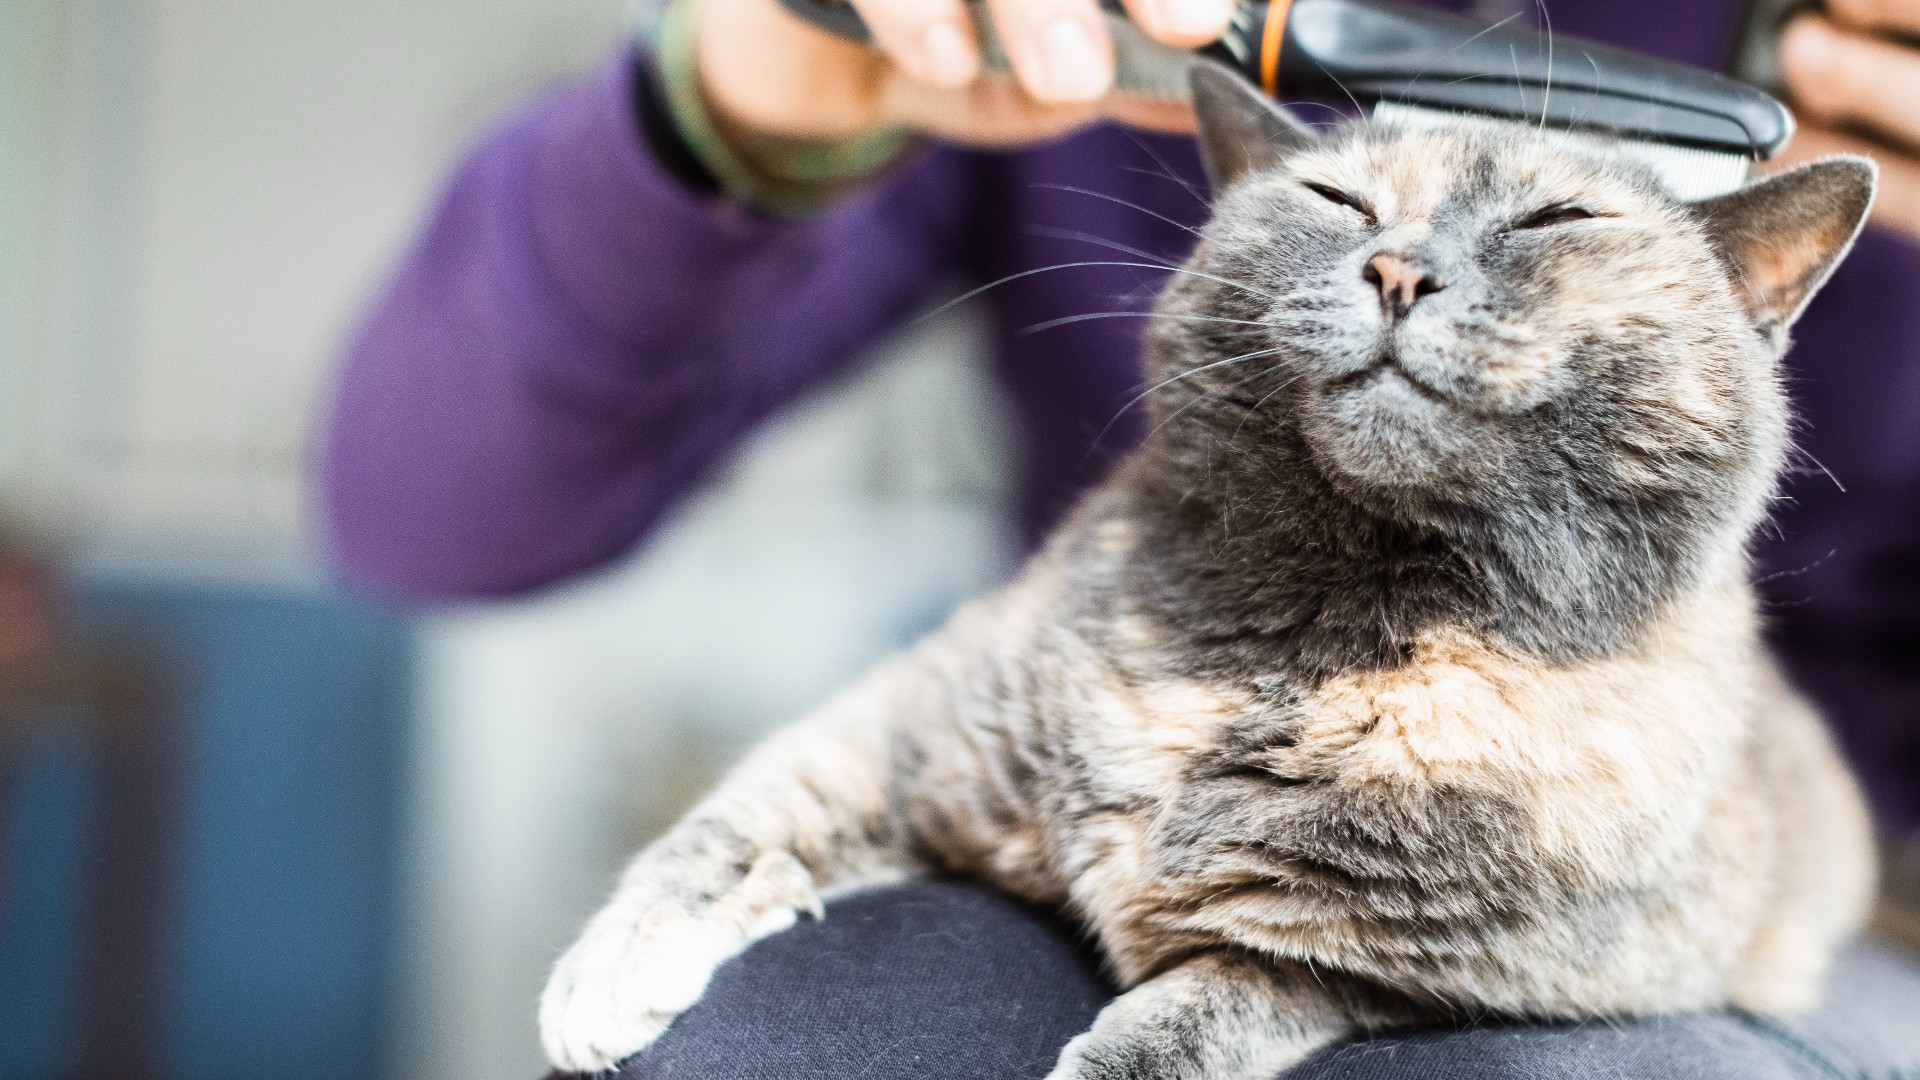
[{"x": 948, "y": 981}]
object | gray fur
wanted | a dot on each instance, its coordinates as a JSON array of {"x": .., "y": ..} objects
[{"x": 1408, "y": 672}]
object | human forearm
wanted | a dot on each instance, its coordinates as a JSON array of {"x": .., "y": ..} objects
[{"x": 577, "y": 335}]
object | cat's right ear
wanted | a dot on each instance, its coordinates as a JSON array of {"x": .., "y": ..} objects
[
  {"x": 1242, "y": 130},
  {"x": 1783, "y": 236}
]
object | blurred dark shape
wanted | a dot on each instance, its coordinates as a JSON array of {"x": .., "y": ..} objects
[
  {"x": 1755, "y": 57},
  {"x": 202, "y": 831},
  {"x": 28, "y": 604},
  {"x": 51, "y": 685},
  {"x": 1898, "y": 916}
]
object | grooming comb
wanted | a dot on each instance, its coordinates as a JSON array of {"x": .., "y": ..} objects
[{"x": 1698, "y": 131}]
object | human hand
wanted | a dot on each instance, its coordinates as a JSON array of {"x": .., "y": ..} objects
[
  {"x": 765, "y": 72},
  {"x": 1853, "y": 78}
]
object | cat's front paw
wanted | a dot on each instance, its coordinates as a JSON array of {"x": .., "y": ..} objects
[
  {"x": 1082, "y": 1059},
  {"x": 640, "y": 963}
]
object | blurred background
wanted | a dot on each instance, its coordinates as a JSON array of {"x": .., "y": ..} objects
[{"x": 253, "y": 827}]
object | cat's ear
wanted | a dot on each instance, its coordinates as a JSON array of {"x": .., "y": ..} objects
[
  {"x": 1241, "y": 129},
  {"x": 1782, "y": 236}
]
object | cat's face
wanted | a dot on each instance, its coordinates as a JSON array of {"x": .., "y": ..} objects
[
  {"x": 1473, "y": 318},
  {"x": 1442, "y": 302}
]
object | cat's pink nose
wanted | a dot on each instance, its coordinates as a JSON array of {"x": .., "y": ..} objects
[{"x": 1401, "y": 282}]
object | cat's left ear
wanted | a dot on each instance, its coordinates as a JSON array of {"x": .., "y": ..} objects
[
  {"x": 1242, "y": 130},
  {"x": 1783, "y": 236}
]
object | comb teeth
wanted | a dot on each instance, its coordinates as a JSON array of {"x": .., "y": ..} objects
[{"x": 1687, "y": 172}]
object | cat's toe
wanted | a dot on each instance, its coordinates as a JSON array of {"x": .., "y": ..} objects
[
  {"x": 580, "y": 1042},
  {"x": 776, "y": 889},
  {"x": 627, "y": 978},
  {"x": 623, "y": 982},
  {"x": 1084, "y": 1058}
]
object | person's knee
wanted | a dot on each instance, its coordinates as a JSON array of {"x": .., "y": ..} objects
[
  {"x": 940, "y": 978},
  {"x": 1704, "y": 1047},
  {"x": 930, "y": 978},
  {"x": 1864, "y": 1028}
]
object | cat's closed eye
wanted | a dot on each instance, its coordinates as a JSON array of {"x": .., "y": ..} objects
[
  {"x": 1340, "y": 198},
  {"x": 1557, "y": 214}
]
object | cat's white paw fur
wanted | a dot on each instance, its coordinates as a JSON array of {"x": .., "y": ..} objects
[
  {"x": 639, "y": 963},
  {"x": 1075, "y": 1062}
]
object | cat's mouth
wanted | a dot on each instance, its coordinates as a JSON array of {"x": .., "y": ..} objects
[{"x": 1386, "y": 368}]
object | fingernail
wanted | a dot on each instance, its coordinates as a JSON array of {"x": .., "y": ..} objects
[
  {"x": 1195, "y": 18},
  {"x": 948, "y": 59},
  {"x": 1072, "y": 67}
]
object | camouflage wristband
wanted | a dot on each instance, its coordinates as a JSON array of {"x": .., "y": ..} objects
[{"x": 782, "y": 176}]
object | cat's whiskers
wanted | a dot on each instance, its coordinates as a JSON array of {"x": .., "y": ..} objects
[
  {"x": 1801, "y": 451},
  {"x": 1546, "y": 91},
  {"x": 1144, "y": 394},
  {"x": 1118, "y": 201},
  {"x": 1017, "y": 275},
  {"x": 1053, "y": 233},
  {"x": 1778, "y": 575},
  {"x": 1255, "y": 407},
  {"x": 1358, "y": 109},
  {"x": 996, "y": 283},
  {"x": 1406, "y": 93},
  {"x": 1167, "y": 172},
  {"x": 1197, "y": 398},
  {"x": 1089, "y": 316},
  {"x": 1164, "y": 383}
]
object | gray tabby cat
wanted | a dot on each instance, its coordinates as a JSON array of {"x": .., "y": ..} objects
[{"x": 1410, "y": 670}]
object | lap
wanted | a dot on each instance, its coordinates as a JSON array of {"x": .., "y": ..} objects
[{"x": 948, "y": 980}]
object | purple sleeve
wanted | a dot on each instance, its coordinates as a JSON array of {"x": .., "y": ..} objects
[{"x": 576, "y": 336}]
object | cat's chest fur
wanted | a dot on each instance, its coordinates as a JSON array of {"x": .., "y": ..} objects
[{"x": 1466, "y": 805}]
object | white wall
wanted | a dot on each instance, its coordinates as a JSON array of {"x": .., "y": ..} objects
[{"x": 207, "y": 188}]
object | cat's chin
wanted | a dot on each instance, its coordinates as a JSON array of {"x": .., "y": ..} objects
[
  {"x": 1388, "y": 381},
  {"x": 1381, "y": 433}
]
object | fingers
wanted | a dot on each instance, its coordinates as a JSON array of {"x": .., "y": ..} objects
[
  {"x": 1059, "y": 49},
  {"x": 930, "y": 40},
  {"x": 993, "y": 111},
  {"x": 763, "y": 71},
  {"x": 1840, "y": 78},
  {"x": 1896, "y": 205},
  {"x": 1186, "y": 23},
  {"x": 1894, "y": 16},
  {"x": 1150, "y": 114},
  {"x": 996, "y": 112},
  {"x": 931, "y": 79}
]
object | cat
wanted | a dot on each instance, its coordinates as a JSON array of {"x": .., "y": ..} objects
[{"x": 1409, "y": 672}]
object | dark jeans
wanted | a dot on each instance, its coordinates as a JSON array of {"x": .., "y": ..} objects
[{"x": 952, "y": 982}]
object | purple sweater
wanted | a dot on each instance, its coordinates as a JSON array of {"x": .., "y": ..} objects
[{"x": 577, "y": 337}]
